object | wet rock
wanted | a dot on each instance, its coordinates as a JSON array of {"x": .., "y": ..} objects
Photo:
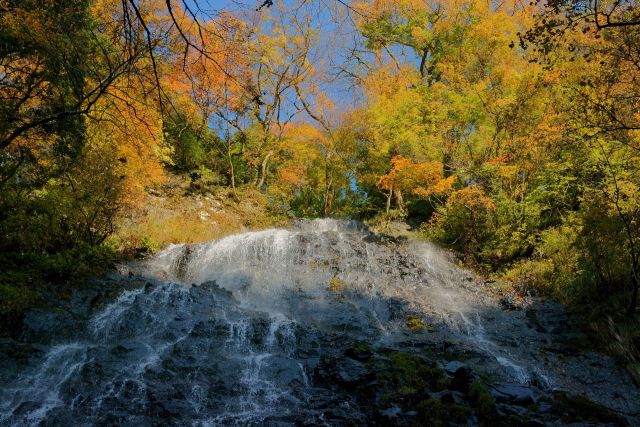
[
  {"x": 282, "y": 371},
  {"x": 361, "y": 352},
  {"x": 397, "y": 309},
  {"x": 38, "y": 325},
  {"x": 346, "y": 414},
  {"x": 348, "y": 372},
  {"x": 392, "y": 412},
  {"x": 513, "y": 393},
  {"x": 454, "y": 366},
  {"x": 448, "y": 396},
  {"x": 532, "y": 315},
  {"x": 120, "y": 350},
  {"x": 508, "y": 302},
  {"x": 506, "y": 410}
]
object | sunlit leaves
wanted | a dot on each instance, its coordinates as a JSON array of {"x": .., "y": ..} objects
[{"x": 419, "y": 178}]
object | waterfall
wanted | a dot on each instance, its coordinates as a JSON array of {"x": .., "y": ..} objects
[{"x": 230, "y": 331}]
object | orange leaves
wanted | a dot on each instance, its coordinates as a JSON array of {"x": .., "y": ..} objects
[
  {"x": 134, "y": 131},
  {"x": 440, "y": 188},
  {"x": 300, "y": 135},
  {"x": 471, "y": 198},
  {"x": 210, "y": 73},
  {"x": 422, "y": 179},
  {"x": 292, "y": 175},
  {"x": 500, "y": 160},
  {"x": 427, "y": 180}
]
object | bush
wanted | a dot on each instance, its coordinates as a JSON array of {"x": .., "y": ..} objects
[
  {"x": 27, "y": 278},
  {"x": 468, "y": 221},
  {"x": 483, "y": 403},
  {"x": 435, "y": 413}
]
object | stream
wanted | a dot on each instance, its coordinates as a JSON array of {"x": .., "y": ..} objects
[{"x": 301, "y": 326}]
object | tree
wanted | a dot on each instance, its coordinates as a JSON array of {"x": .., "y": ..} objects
[
  {"x": 56, "y": 66},
  {"x": 422, "y": 179},
  {"x": 280, "y": 61}
]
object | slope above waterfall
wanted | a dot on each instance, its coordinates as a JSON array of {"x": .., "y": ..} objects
[{"x": 296, "y": 325}]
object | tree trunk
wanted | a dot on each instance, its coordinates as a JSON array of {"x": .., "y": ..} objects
[
  {"x": 328, "y": 187},
  {"x": 634, "y": 295},
  {"x": 423, "y": 62},
  {"x": 328, "y": 198},
  {"x": 263, "y": 169},
  {"x": 233, "y": 175},
  {"x": 400, "y": 201},
  {"x": 389, "y": 197}
]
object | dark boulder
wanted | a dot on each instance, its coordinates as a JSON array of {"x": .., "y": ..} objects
[{"x": 513, "y": 393}]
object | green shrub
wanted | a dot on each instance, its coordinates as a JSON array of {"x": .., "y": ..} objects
[
  {"x": 432, "y": 412},
  {"x": 483, "y": 403}
]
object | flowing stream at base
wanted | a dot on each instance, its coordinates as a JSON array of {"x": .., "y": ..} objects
[{"x": 229, "y": 332}]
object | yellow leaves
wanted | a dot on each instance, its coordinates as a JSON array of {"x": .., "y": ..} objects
[
  {"x": 424, "y": 180},
  {"x": 473, "y": 86},
  {"x": 300, "y": 146},
  {"x": 303, "y": 135},
  {"x": 397, "y": 113},
  {"x": 390, "y": 82},
  {"x": 624, "y": 194},
  {"x": 420, "y": 35}
]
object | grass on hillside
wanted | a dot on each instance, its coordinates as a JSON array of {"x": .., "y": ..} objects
[{"x": 174, "y": 216}]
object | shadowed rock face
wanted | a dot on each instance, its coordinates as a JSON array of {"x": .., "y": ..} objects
[{"x": 320, "y": 324}]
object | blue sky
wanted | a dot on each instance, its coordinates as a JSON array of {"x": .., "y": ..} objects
[{"x": 336, "y": 35}]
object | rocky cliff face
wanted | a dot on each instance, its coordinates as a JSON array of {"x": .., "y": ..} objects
[{"x": 325, "y": 323}]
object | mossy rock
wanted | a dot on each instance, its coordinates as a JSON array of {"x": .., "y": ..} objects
[
  {"x": 361, "y": 351},
  {"x": 336, "y": 285},
  {"x": 416, "y": 324},
  {"x": 408, "y": 375}
]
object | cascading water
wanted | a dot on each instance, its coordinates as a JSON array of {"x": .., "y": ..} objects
[{"x": 229, "y": 332}]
